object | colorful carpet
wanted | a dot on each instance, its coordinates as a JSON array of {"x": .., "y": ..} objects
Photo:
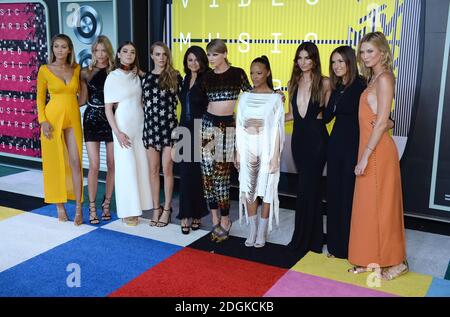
[{"x": 40, "y": 256}]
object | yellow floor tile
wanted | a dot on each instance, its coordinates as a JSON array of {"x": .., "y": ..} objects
[
  {"x": 411, "y": 284},
  {"x": 8, "y": 212}
]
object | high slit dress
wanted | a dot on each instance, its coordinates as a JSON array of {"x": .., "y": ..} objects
[{"x": 62, "y": 112}]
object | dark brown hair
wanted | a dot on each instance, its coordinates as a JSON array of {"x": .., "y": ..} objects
[
  {"x": 348, "y": 55},
  {"x": 317, "y": 77}
]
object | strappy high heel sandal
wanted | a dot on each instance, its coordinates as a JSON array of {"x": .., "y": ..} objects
[
  {"x": 62, "y": 215},
  {"x": 78, "y": 220},
  {"x": 93, "y": 219},
  {"x": 215, "y": 231},
  {"x": 390, "y": 273},
  {"x": 185, "y": 228},
  {"x": 196, "y": 223},
  {"x": 156, "y": 212},
  {"x": 223, "y": 234},
  {"x": 169, "y": 218},
  {"x": 106, "y": 213}
]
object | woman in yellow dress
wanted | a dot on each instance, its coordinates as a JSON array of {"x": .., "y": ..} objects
[{"x": 61, "y": 135}]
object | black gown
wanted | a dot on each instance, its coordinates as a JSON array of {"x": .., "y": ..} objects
[
  {"x": 342, "y": 158},
  {"x": 309, "y": 141},
  {"x": 193, "y": 105}
]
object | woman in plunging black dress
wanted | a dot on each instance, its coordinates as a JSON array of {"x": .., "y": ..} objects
[
  {"x": 309, "y": 92},
  {"x": 194, "y": 102}
]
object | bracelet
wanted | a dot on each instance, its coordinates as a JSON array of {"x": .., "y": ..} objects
[{"x": 369, "y": 148}]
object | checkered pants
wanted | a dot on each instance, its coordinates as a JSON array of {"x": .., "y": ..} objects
[{"x": 217, "y": 160}]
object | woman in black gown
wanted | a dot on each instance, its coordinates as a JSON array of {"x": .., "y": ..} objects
[
  {"x": 309, "y": 92},
  {"x": 343, "y": 145},
  {"x": 193, "y": 105}
]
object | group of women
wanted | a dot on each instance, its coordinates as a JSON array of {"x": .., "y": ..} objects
[{"x": 137, "y": 111}]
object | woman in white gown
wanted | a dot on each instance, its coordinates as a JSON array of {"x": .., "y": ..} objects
[
  {"x": 259, "y": 142},
  {"x": 123, "y": 88}
]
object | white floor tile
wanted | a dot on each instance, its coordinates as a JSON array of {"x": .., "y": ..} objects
[
  {"x": 169, "y": 234},
  {"x": 30, "y": 183},
  {"x": 28, "y": 235}
]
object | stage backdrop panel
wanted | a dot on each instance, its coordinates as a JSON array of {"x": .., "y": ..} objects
[
  {"x": 440, "y": 179},
  {"x": 23, "y": 47},
  {"x": 275, "y": 28}
]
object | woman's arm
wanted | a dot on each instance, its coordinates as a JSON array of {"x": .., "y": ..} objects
[
  {"x": 326, "y": 90},
  {"x": 83, "y": 96},
  {"x": 41, "y": 98},
  {"x": 124, "y": 140},
  {"x": 385, "y": 95}
]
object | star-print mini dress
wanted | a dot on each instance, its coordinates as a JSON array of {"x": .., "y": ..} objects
[{"x": 160, "y": 117}]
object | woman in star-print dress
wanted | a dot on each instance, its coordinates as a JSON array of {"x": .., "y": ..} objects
[{"x": 160, "y": 88}]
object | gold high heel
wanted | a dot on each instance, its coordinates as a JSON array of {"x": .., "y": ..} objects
[
  {"x": 62, "y": 214},
  {"x": 78, "y": 221}
]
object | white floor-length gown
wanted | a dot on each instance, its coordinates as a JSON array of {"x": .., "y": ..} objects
[{"x": 132, "y": 183}]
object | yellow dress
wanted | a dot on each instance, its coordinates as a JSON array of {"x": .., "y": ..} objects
[{"x": 62, "y": 112}]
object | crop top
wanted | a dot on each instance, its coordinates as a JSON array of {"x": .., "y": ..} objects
[{"x": 225, "y": 86}]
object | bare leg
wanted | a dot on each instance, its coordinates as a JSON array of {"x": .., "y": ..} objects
[
  {"x": 111, "y": 169},
  {"x": 62, "y": 215},
  {"x": 75, "y": 166},
  {"x": 265, "y": 210},
  {"x": 167, "y": 164},
  {"x": 93, "y": 150},
  {"x": 154, "y": 163}
]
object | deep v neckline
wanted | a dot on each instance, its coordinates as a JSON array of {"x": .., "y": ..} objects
[
  {"x": 61, "y": 79},
  {"x": 298, "y": 108}
]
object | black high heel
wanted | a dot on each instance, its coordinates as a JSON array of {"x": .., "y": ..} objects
[
  {"x": 185, "y": 228},
  {"x": 164, "y": 224},
  {"x": 154, "y": 222}
]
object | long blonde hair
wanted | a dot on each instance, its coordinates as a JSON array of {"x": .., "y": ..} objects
[
  {"x": 169, "y": 76},
  {"x": 71, "y": 57},
  {"x": 379, "y": 40},
  {"x": 102, "y": 39}
]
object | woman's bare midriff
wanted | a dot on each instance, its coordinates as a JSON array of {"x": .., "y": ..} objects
[{"x": 222, "y": 108}]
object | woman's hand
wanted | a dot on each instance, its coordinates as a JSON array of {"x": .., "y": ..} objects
[
  {"x": 47, "y": 130},
  {"x": 237, "y": 161},
  {"x": 124, "y": 140},
  {"x": 281, "y": 93},
  {"x": 360, "y": 167}
]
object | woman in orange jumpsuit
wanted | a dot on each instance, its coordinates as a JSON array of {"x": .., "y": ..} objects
[{"x": 61, "y": 135}]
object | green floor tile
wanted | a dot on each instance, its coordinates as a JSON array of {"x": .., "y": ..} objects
[{"x": 6, "y": 170}]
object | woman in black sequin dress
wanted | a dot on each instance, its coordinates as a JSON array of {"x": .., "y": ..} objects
[
  {"x": 160, "y": 89},
  {"x": 95, "y": 124}
]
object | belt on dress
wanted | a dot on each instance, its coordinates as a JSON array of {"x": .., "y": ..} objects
[{"x": 95, "y": 106}]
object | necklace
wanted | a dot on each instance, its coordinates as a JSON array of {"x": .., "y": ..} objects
[{"x": 125, "y": 67}]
